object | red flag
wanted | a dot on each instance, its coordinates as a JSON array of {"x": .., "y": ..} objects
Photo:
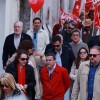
[
  {"x": 96, "y": 16},
  {"x": 98, "y": 3},
  {"x": 88, "y": 6},
  {"x": 76, "y": 8},
  {"x": 67, "y": 16},
  {"x": 36, "y": 5},
  {"x": 64, "y": 16},
  {"x": 89, "y": 0}
]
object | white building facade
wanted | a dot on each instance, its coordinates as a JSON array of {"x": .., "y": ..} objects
[{"x": 13, "y": 10}]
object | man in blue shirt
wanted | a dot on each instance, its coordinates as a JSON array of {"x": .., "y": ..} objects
[{"x": 88, "y": 78}]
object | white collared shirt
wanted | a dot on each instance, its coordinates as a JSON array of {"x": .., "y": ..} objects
[
  {"x": 51, "y": 70},
  {"x": 17, "y": 41},
  {"x": 58, "y": 57}
]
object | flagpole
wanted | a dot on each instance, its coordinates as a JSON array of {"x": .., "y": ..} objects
[
  {"x": 93, "y": 18},
  {"x": 84, "y": 10}
]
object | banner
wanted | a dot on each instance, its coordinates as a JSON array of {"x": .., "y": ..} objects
[
  {"x": 67, "y": 16},
  {"x": 96, "y": 16},
  {"x": 36, "y": 5},
  {"x": 98, "y": 3},
  {"x": 76, "y": 8},
  {"x": 88, "y": 6},
  {"x": 89, "y": 0}
]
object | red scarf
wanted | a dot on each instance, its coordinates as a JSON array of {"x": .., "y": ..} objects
[{"x": 21, "y": 75}]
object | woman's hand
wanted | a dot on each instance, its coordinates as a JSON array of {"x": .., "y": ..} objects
[{"x": 25, "y": 86}]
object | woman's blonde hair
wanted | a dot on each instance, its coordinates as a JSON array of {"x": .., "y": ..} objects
[{"x": 8, "y": 80}]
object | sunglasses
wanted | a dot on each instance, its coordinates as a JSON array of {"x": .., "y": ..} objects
[
  {"x": 93, "y": 55},
  {"x": 24, "y": 59},
  {"x": 82, "y": 52},
  {"x": 70, "y": 28},
  {"x": 2, "y": 86},
  {"x": 56, "y": 45}
]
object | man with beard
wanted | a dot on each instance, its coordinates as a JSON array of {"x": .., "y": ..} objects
[
  {"x": 12, "y": 42},
  {"x": 66, "y": 31},
  {"x": 88, "y": 78}
]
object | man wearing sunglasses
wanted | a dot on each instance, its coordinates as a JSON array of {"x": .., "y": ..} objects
[
  {"x": 64, "y": 55},
  {"x": 88, "y": 78},
  {"x": 66, "y": 31}
]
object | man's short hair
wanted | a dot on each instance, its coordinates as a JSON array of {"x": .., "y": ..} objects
[
  {"x": 95, "y": 47},
  {"x": 56, "y": 38},
  {"x": 73, "y": 23},
  {"x": 51, "y": 54},
  {"x": 19, "y": 22},
  {"x": 75, "y": 30},
  {"x": 36, "y": 18},
  {"x": 66, "y": 22}
]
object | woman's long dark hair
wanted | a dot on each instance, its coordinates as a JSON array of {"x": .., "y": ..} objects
[
  {"x": 19, "y": 52},
  {"x": 78, "y": 59},
  {"x": 25, "y": 45}
]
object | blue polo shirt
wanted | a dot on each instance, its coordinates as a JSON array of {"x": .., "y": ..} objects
[{"x": 91, "y": 78}]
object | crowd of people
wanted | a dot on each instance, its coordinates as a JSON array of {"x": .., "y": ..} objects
[{"x": 38, "y": 69}]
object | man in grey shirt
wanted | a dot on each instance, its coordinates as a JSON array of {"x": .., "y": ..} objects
[{"x": 76, "y": 43}]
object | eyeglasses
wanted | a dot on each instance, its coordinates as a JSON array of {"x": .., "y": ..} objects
[
  {"x": 2, "y": 86},
  {"x": 82, "y": 52},
  {"x": 70, "y": 28},
  {"x": 93, "y": 55},
  {"x": 56, "y": 45},
  {"x": 24, "y": 59},
  {"x": 31, "y": 48}
]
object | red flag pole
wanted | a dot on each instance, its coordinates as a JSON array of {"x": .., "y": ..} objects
[
  {"x": 76, "y": 8},
  {"x": 93, "y": 19},
  {"x": 84, "y": 10}
]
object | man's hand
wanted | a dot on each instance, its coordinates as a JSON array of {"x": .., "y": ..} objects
[
  {"x": 25, "y": 86},
  {"x": 4, "y": 67}
]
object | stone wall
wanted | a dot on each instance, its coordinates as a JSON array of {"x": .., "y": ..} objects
[{"x": 25, "y": 14}]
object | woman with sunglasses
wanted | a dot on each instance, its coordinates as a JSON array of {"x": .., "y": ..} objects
[
  {"x": 23, "y": 73},
  {"x": 83, "y": 55},
  {"x": 8, "y": 87},
  {"x": 36, "y": 60}
]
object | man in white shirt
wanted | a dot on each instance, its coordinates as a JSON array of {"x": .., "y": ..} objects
[{"x": 39, "y": 36}]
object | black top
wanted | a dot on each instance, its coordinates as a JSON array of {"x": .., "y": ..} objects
[
  {"x": 66, "y": 36},
  {"x": 94, "y": 41},
  {"x": 30, "y": 78},
  {"x": 9, "y": 47},
  {"x": 67, "y": 56}
]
